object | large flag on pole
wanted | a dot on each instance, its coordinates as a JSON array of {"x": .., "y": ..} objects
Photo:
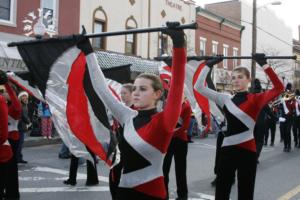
[
  {"x": 198, "y": 102},
  {"x": 60, "y": 70},
  {"x": 208, "y": 107}
]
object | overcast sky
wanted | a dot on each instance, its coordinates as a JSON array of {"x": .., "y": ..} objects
[{"x": 288, "y": 11}]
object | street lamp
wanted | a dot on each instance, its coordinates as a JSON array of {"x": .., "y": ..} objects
[{"x": 254, "y": 35}]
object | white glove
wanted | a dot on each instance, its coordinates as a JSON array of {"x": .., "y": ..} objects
[{"x": 282, "y": 119}]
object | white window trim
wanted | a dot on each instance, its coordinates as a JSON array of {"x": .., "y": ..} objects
[
  {"x": 235, "y": 49},
  {"x": 55, "y": 14},
  {"x": 225, "y": 63},
  {"x": 13, "y": 15},
  {"x": 212, "y": 46},
  {"x": 202, "y": 39},
  {"x": 214, "y": 42}
]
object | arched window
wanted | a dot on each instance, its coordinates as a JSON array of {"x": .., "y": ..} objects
[
  {"x": 99, "y": 25},
  {"x": 131, "y": 39},
  {"x": 162, "y": 44}
]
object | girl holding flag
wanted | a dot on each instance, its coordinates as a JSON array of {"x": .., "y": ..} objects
[
  {"x": 147, "y": 133},
  {"x": 238, "y": 151}
]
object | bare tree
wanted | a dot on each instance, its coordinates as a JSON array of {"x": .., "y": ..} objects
[{"x": 279, "y": 66}]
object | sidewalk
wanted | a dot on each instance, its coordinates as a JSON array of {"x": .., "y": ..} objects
[{"x": 31, "y": 141}]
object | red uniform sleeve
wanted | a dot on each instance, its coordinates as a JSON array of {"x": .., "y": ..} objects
[
  {"x": 3, "y": 120},
  {"x": 277, "y": 89},
  {"x": 15, "y": 109},
  {"x": 172, "y": 108},
  {"x": 186, "y": 118}
]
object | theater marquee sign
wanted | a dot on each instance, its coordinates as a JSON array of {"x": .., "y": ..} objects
[{"x": 172, "y": 4}]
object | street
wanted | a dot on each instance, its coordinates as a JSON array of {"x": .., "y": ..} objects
[{"x": 278, "y": 174}]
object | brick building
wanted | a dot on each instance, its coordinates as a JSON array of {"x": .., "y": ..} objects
[
  {"x": 274, "y": 37},
  {"x": 17, "y": 19},
  {"x": 218, "y": 35}
]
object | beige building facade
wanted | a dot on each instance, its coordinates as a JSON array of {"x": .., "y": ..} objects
[{"x": 115, "y": 15}]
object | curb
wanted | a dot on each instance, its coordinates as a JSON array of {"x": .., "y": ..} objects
[{"x": 40, "y": 141}]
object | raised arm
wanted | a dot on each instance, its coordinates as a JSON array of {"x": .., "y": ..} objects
[
  {"x": 15, "y": 108},
  {"x": 172, "y": 107},
  {"x": 120, "y": 112},
  {"x": 278, "y": 87},
  {"x": 205, "y": 91}
]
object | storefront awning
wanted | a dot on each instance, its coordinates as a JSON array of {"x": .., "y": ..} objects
[{"x": 10, "y": 59}]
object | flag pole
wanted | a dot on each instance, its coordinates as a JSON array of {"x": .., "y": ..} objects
[
  {"x": 104, "y": 34},
  {"x": 198, "y": 58}
]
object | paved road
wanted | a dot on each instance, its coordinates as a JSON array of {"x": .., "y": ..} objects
[{"x": 278, "y": 175}]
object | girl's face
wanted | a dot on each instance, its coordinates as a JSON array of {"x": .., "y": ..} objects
[
  {"x": 144, "y": 96},
  {"x": 24, "y": 99},
  {"x": 239, "y": 81},
  {"x": 126, "y": 96}
]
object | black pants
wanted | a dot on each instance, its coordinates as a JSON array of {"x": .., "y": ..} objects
[
  {"x": 92, "y": 176},
  {"x": 296, "y": 125},
  {"x": 14, "y": 146},
  {"x": 177, "y": 148},
  {"x": 259, "y": 134},
  {"x": 296, "y": 129},
  {"x": 287, "y": 126},
  {"x": 218, "y": 150},
  {"x": 9, "y": 184},
  {"x": 114, "y": 179},
  {"x": 271, "y": 127},
  {"x": 234, "y": 159},
  {"x": 281, "y": 129}
]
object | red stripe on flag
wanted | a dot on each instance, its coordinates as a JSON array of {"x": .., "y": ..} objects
[
  {"x": 114, "y": 93},
  {"x": 202, "y": 100},
  {"x": 77, "y": 109}
]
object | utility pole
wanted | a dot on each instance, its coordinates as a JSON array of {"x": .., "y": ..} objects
[{"x": 254, "y": 39}]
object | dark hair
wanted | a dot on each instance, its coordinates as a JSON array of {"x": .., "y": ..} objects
[
  {"x": 156, "y": 82},
  {"x": 243, "y": 70},
  {"x": 288, "y": 86},
  {"x": 257, "y": 86},
  {"x": 128, "y": 86}
]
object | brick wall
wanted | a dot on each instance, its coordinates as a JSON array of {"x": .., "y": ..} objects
[
  {"x": 212, "y": 31},
  {"x": 230, "y": 10}
]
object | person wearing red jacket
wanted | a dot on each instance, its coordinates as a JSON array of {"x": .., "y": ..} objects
[
  {"x": 147, "y": 133},
  {"x": 9, "y": 187},
  {"x": 238, "y": 150},
  {"x": 179, "y": 148},
  {"x": 14, "y": 114}
]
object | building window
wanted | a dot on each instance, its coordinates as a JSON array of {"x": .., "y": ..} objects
[
  {"x": 130, "y": 43},
  {"x": 202, "y": 46},
  {"x": 49, "y": 8},
  {"x": 5, "y": 10},
  {"x": 99, "y": 42},
  {"x": 214, "y": 48},
  {"x": 225, "y": 53},
  {"x": 162, "y": 44},
  {"x": 235, "y": 53},
  {"x": 99, "y": 26},
  {"x": 8, "y": 12},
  {"x": 131, "y": 39}
]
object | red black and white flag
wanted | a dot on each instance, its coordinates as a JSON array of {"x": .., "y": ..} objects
[
  {"x": 198, "y": 102},
  {"x": 60, "y": 70}
]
